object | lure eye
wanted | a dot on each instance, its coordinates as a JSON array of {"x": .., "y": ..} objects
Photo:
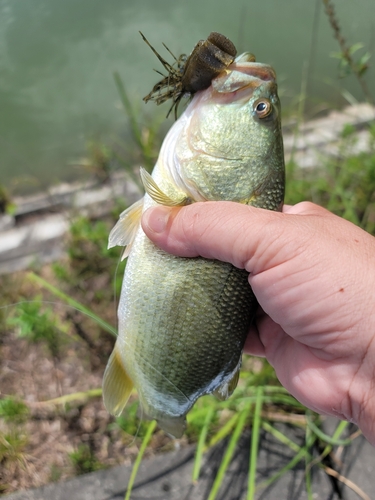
[{"x": 262, "y": 108}]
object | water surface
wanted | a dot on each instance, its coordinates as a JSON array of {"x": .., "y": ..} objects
[{"x": 58, "y": 57}]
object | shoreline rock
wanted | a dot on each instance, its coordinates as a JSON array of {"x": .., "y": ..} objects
[{"x": 35, "y": 233}]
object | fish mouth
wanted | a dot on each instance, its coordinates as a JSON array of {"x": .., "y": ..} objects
[{"x": 243, "y": 73}]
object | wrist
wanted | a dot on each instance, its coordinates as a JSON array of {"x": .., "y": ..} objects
[
  {"x": 363, "y": 411},
  {"x": 362, "y": 392}
]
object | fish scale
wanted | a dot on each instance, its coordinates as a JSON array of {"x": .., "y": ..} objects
[{"x": 226, "y": 310}]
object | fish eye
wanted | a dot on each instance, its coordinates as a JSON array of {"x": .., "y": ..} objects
[{"x": 262, "y": 108}]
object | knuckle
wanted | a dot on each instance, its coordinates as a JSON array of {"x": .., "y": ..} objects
[{"x": 190, "y": 221}]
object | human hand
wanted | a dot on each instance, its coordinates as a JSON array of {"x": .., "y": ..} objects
[{"x": 313, "y": 274}]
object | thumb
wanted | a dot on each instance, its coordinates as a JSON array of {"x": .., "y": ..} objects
[{"x": 247, "y": 237}]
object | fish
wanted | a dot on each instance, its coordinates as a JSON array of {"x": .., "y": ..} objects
[{"x": 182, "y": 322}]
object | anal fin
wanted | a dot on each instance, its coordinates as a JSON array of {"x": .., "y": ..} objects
[
  {"x": 226, "y": 389},
  {"x": 117, "y": 385}
]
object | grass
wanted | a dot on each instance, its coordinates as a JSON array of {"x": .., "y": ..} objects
[
  {"x": 12, "y": 410},
  {"x": 36, "y": 322},
  {"x": 6, "y": 205},
  {"x": 255, "y": 442},
  {"x": 131, "y": 424},
  {"x": 348, "y": 63},
  {"x": 84, "y": 460},
  {"x": 12, "y": 446},
  {"x": 229, "y": 451},
  {"x": 150, "y": 429},
  {"x": 345, "y": 185}
]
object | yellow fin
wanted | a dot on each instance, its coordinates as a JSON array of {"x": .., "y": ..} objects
[
  {"x": 117, "y": 385},
  {"x": 153, "y": 190},
  {"x": 226, "y": 389},
  {"x": 126, "y": 227}
]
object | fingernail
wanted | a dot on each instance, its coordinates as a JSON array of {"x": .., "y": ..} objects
[{"x": 157, "y": 218}]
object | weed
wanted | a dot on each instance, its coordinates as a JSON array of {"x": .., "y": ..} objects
[
  {"x": 84, "y": 460},
  {"x": 130, "y": 423},
  {"x": 36, "y": 322},
  {"x": 12, "y": 410},
  {"x": 12, "y": 446},
  {"x": 198, "y": 420},
  {"x": 144, "y": 136},
  {"x": 55, "y": 473},
  {"x": 6, "y": 205},
  {"x": 34, "y": 278},
  {"x": 150, "y": 429},
  {"x": 88, "y": 251},
  {"x": 100, "y": 160},
  {"x": 345, "y": 185},
  {"x": 89, "y": 258},
  {"x": 346, "y": 57}
]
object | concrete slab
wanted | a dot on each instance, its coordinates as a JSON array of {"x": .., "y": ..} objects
[{"x": 168, "y": 476}]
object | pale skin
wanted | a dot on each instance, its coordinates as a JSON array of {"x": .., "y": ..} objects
[{"x": 313, "y": 274}]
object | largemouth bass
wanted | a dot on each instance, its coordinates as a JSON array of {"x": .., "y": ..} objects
[{"x": 183, "y": 322}]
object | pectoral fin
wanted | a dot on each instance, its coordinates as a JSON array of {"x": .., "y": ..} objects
[
  {"x": 153, "y": 190},
  {"x": 117, "y": 385},
  {"x": 124, "y": 231},
  {"x": 226, "y": 389}
]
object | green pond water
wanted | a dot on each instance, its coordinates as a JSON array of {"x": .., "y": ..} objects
[{"x": 57, "y": 59}]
